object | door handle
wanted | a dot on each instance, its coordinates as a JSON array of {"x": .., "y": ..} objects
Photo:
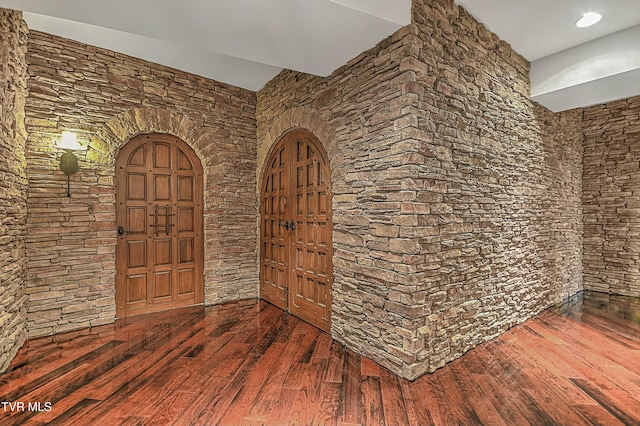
[
  {"x": 289, "y": 226},
  {"x": 121, "y": 231}
]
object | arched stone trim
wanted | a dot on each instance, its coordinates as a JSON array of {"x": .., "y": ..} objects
[
  {"x": 104, "y": 147},
  {"x": 306, "y": 118}
]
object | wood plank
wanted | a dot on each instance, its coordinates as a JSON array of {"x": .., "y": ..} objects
[
  {"x": 547, "y": 397},
  {"x": 449, "y": 406},
  {"x": 372, "y": 404},
  {"x": 336, "y": 364},
  {"x": 417, "y": 405},
  {"x": 352, "y": 410},
  {"x": 243, "y": 402},
  {"x": 508, "y": 382},
  {"x": 612, "y": 405},
  {"x": 490, "y": 391},
  {"x": 395, "y": 411},
  {"x": 329, "y": 404},
  {"x": 249, "y": 363},
  {"x": 469, "y": 390},
  {"x": 267, "y": 396},
  {"x": 595, "y": 371}
]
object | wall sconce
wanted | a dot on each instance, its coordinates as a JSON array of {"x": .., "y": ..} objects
[{"x": 68, "y": 160}]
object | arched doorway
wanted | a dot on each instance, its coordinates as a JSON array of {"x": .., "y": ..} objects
[
  {"x": 159, "y": 215},
  {"x": 295, "y": 229}
]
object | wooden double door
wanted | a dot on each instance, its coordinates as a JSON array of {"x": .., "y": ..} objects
[
  {"x": 295, "y": 244},
  {"x": 159, "y": 215}
]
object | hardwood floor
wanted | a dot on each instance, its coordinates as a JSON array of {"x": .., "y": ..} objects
[{"x": 249, "y": 363}]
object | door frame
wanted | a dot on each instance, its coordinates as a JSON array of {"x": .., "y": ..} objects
[
  {"x": 125, "y": 150},
  {"x": 328, "y": 175}
]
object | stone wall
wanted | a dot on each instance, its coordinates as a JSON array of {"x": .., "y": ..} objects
[
  {"x": 456, "y": 200},
  {"x": 13, "y": 184},
  {"x": 108, "y": 98},
  {"x": 611, "y": 197},
  {"x": 505, "y": 236}
]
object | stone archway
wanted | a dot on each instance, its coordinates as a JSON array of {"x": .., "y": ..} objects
[
  {"x": 121, "y": 128},
  {"x": 104, "y": 147},
  {"x": 306, "y": 118},
  {"x": 296, "y": 268},
  {"x": 159, "y": 213}
]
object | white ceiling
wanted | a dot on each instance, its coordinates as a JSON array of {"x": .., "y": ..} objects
[
  {"x": 539, "y": 28},
  {"x": 241, "y": 42},
  {"x": 570, "y": 67},
  {"x": 247, "y": 42}
]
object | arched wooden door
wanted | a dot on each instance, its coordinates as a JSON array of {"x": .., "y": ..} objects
[
  {"x": 295, "y": 244},
  {"x": 159, "y": 253}
]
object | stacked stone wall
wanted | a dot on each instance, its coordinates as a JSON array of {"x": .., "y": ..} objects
[
  {"x": 359, "y": 114},
  {"x": 108, "y": 98},
  {"x": 505, "y": 238},
  {"x": 13, "y": 183},
  {"x": 456, "y": 200},
  {"x": 611, "y": 197}
]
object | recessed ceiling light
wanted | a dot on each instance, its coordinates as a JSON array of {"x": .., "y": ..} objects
[{"x": 588, "y": 19}]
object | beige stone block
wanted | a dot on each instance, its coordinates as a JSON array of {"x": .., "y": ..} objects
[
  {"x": 408, "y": 207},
  {"x": 404, "y": 246}
]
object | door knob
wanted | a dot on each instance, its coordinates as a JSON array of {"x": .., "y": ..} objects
[{"x": 121, "y": 231}]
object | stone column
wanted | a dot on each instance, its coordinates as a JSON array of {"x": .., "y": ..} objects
[{"x": 13, "y": 183}]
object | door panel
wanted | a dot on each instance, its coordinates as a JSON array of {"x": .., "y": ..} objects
[
  {"x": 162, "y": 282},
  {"x": 274, "y": 282},
  {"x": 310, "y": 297},
  {"x": 185, "y": 219},
  {"x": 137, "y": 186},
  {"x": 162, "y": 187},
  {"x": 161, "y": 155},
  {"x": 159, "y": 209},
  {"x": 137, "y": 251},
  {"x": 137, "y": 219},
  {"x": 186, "y": 281},
  {"x": 137, "y": 286},
  {"x": 296, "y": 229},
  {"x": 185, "y": 188}
]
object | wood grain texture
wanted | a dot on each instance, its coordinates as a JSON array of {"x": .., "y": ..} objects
[
  {"x": 159, "y": 253},
  {"x": 295, "y": 231},
  {"x": 250, "y": 363}
]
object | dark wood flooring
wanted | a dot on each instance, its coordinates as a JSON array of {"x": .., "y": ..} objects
[{"x": 248, "y": 363}]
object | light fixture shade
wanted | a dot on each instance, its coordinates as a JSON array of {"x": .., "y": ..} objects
[
  {"x": 69, "y": 141},
  {"x": 68, "y": 163},
  {"x": 588, "y": 19}
]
